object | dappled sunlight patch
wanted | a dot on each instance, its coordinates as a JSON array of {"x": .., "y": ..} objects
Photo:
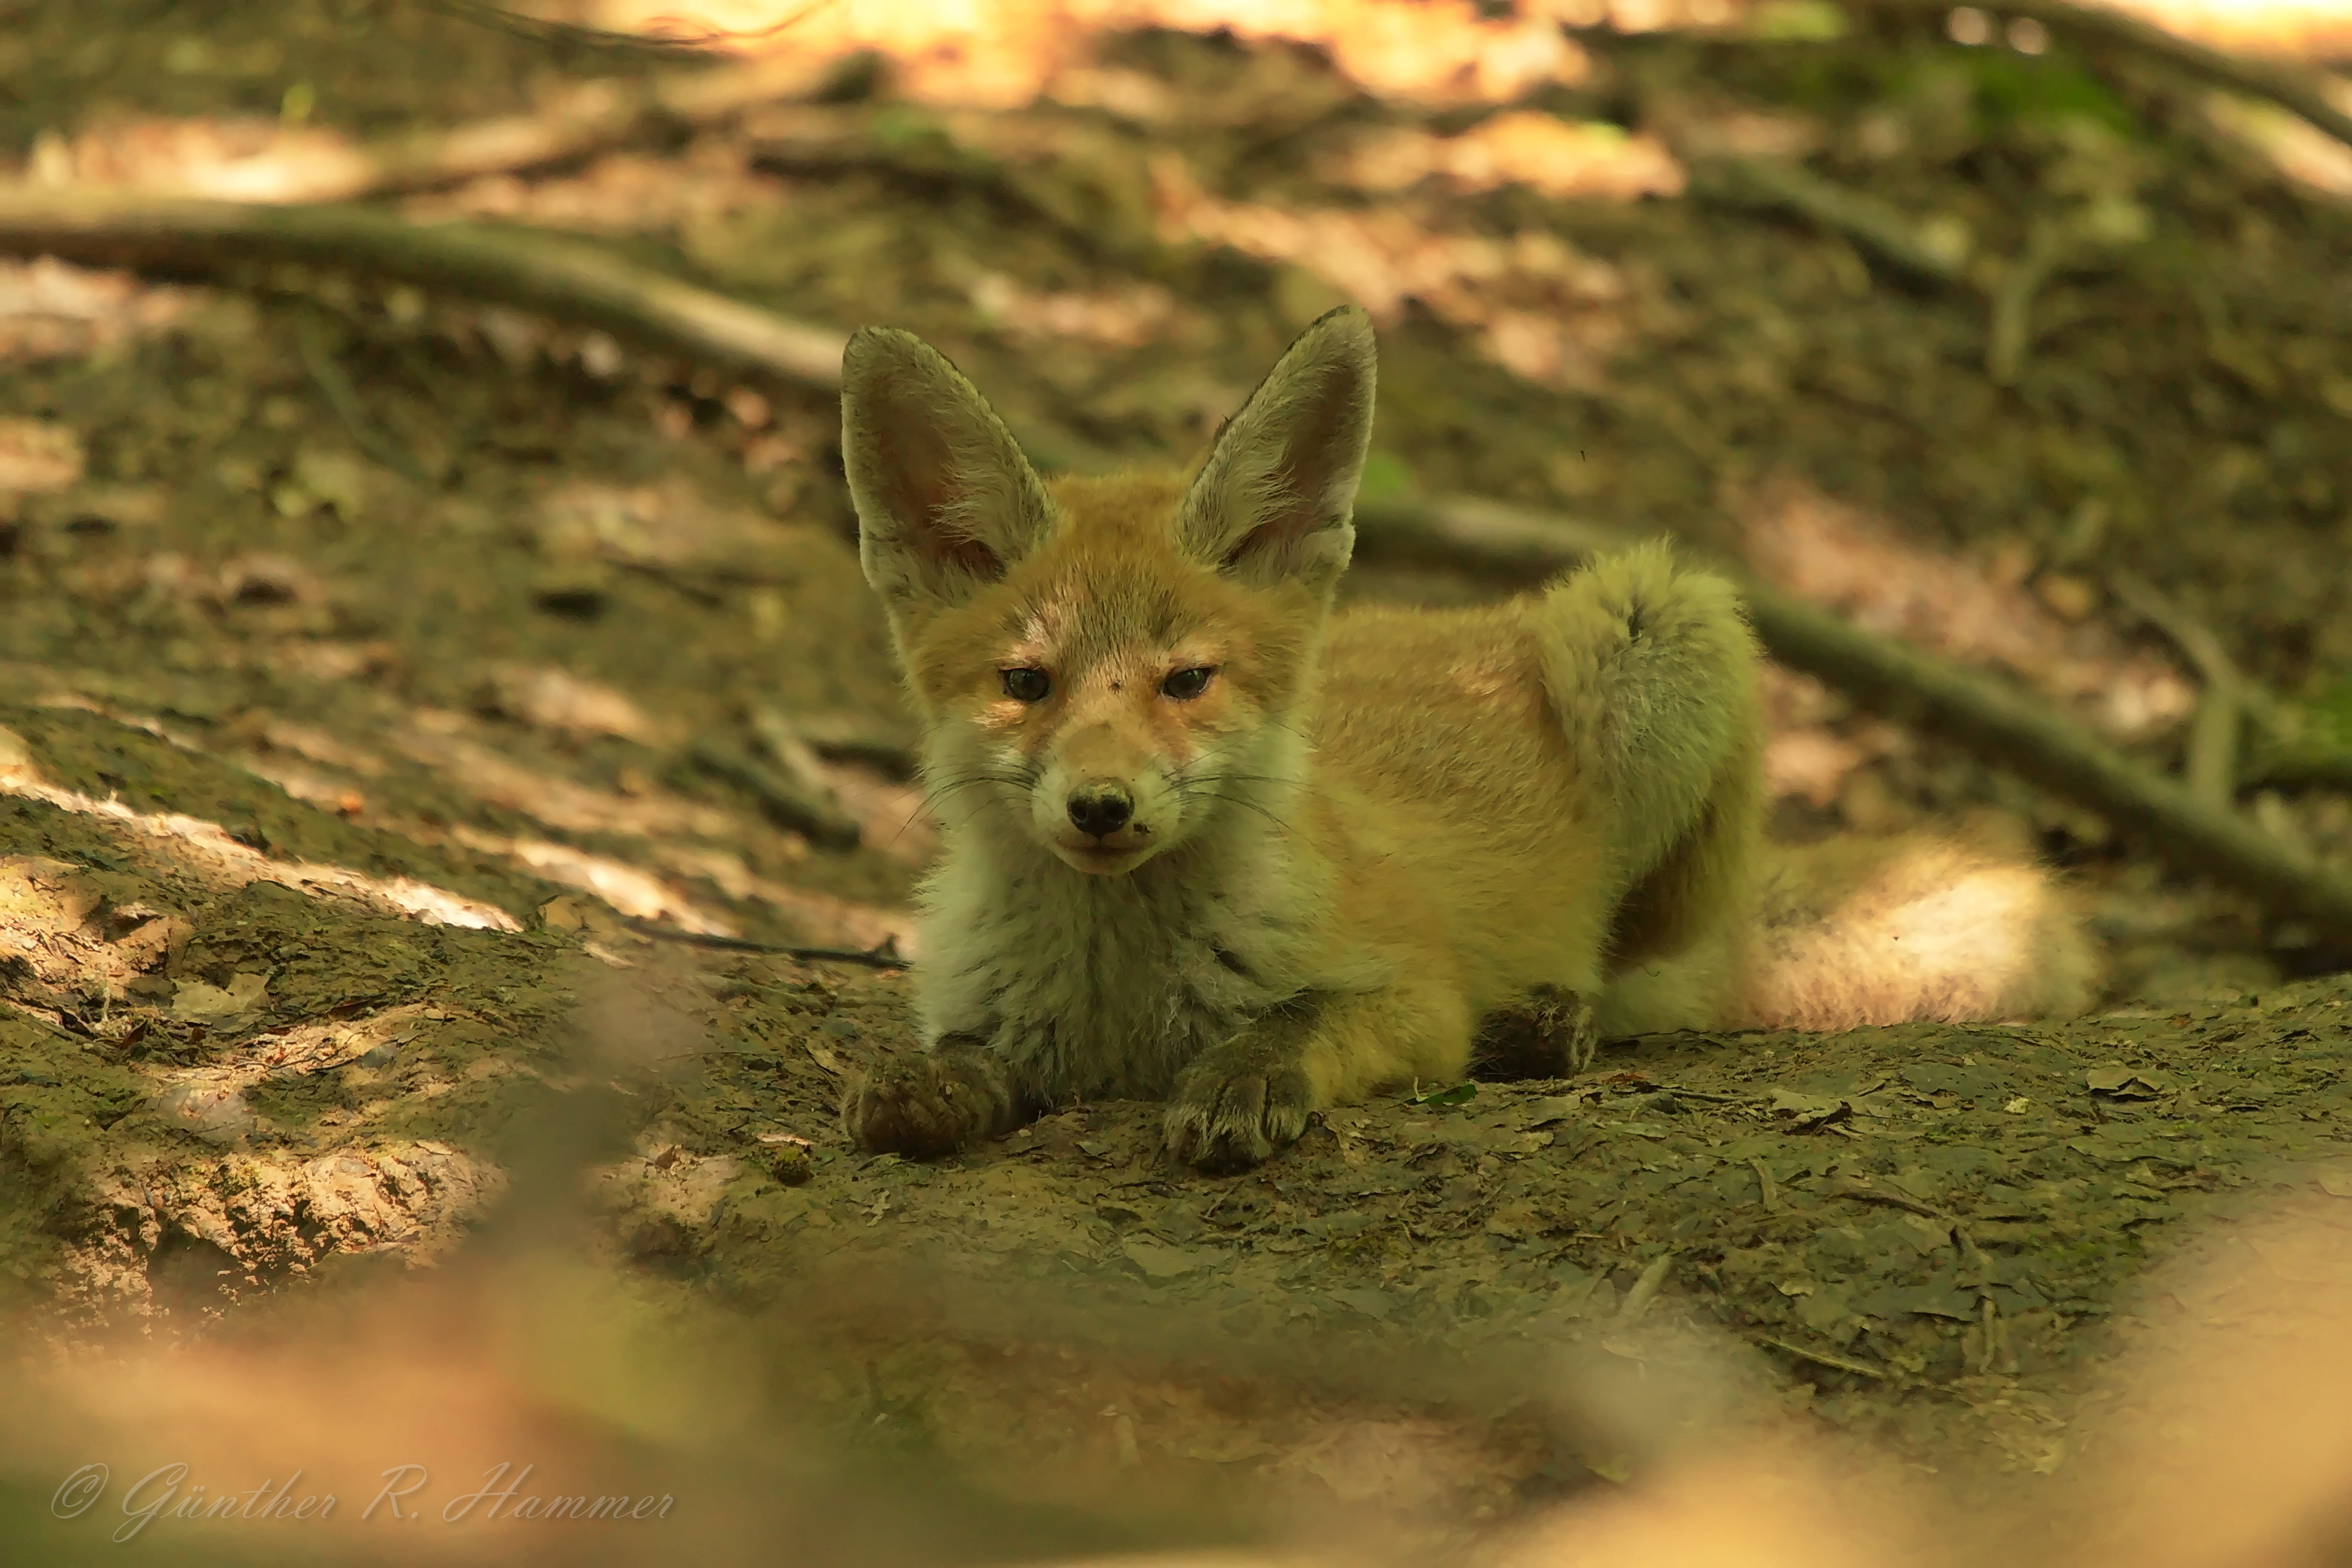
[
  {"x": 553, "y": 698},
  {"x": 229, "y": 159},
  {"x": 1561, "y": 159},
  {"x": 1000, "y": 53},
  {"x": 2317, "y": 28},
  {"x": 211, "y": 1102},
  {"x": 70, "y": 948},
  {"x": 1981, "y": 614},
  {"x": 1814, "y": 741},
  {"x": 661, "y": 1181},
  {"x": 1125, "y": 317},
  {"x": 893, "y": 816},
  {"x": 2297, "y": 147},
  {"x": 827, "y": 920},
  {"x": 619, "y": 193},
  {"x": 37, "y": 455},
  {"x": 442, "y": 741},
  {"x": 208, "y": 852},
  {"x": 269, "y": 1213},
  {"x": 631, "y": 889},
  {"x": 1533, "y": 304},
  {"x": 52, "y": 309},
  {"x": 1811, "y": 763}
]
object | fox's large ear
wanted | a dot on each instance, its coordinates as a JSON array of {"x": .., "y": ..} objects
[
  {"x": 945, "y": 500},
  {"x": 1276, "y": 496}
]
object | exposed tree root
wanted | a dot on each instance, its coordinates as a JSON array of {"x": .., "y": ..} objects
[{"x": 570, "y": 279}]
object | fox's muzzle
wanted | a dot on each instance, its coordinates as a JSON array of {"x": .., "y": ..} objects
[{"x": 1100, "y": 809}]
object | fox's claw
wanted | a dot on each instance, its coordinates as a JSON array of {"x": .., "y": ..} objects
[
  {"x": 1229, "y": 1115},
  {"x": 1549, "y": 1033},
  {"x": 934, "y": 1104},
  {"x": 1568, "y": 1023}
]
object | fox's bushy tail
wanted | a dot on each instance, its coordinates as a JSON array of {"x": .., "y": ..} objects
[
  {"x": 1851, "y": 931},
  {"x": 1653, "y": 670}
]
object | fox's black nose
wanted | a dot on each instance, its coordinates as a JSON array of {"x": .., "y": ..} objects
[{"x": 1100, "y": 808}]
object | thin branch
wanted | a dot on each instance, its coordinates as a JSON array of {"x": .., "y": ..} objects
[
  {"x": 1824, "y": 1358},
  {"x": 2211, "y": 769},
  {"x": 886, "y": 956},
  {"x": 2001, "y": 723},
  {"x": 533, "y": 272},
  {"x": 2011, "y": 333},
  {"x": 2305, "y": 92},
  {"x": 1935, "y": 253},
  {"x": 2289, "y": 754}
]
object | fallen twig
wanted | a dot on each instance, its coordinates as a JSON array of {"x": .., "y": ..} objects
[
  {"x": 1646, "y": 1289},
  {"x": 534, "y": 272},
  {"x": 1824, "y": 1358},
  {"x": 2012, "y": 296},
  {"x": 2211, "y": 770},
  {"x": 2290, "y": 86},
  {"x": 886, "y": 956},
  {"x": 2003, "y": 724}
]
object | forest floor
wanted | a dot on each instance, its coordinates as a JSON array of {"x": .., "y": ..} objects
[{"x": 374, "y": 669}]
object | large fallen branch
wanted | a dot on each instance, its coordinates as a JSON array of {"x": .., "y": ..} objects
[
  {"x": 573, "y": 280},
  {"x": 2008, "y": 726}
]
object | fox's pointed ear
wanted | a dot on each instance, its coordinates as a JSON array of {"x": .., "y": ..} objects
[
  {"x": 1274, "y": 497},
  {"x": 945, "y": 501}
]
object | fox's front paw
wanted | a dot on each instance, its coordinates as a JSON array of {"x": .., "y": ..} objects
[
  {"x": 933, "y": 1104},
  {"x": 1229, "y": 1114}
]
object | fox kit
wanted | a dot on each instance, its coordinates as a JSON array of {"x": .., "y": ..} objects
[{"x": 1207, "y": 841}]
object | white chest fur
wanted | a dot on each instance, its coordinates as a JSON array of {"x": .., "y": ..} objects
[{"x": 1108, "y": 985}]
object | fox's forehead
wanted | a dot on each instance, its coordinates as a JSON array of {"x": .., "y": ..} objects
[
  {"x": 1084, "y": 609},
  {"x": 1108, "y": 581}
]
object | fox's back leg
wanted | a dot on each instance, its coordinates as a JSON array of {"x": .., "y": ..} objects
[
  {"x": 1653, "y": 671},
  {"x": 1547, "y": 1033}
]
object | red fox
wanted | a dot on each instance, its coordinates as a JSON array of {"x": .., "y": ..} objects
[{"x": 1207, "y": 840}]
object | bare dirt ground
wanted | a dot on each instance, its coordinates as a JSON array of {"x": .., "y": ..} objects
[{"x": 374, "y": 667}]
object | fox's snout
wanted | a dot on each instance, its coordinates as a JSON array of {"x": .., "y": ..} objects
[
  {"x": 1101, "y": 808},
  {"x": 1103, "y": 800}
]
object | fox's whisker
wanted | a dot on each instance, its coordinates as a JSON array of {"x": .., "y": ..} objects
[{"x": 1200, "y": 792}]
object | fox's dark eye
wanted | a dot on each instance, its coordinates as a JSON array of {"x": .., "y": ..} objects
[
  {"x": 1187, "y": 684},
  {"x": 1026, "y": 685}
]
